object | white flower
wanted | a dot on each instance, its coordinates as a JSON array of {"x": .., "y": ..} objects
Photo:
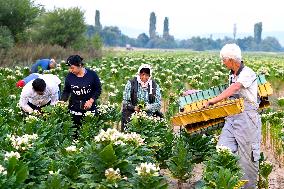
[
  {"x": 12, "y": 97},
  {"x": 89, "y": 113},
  {"x": 11, "y": 77},
  {"x": 8, "y": 155},
  {"x": 281, "y": 98},
  {"x": 112, "y": 174},
  {"x": 61, "y": 104},
  {"x": 118, "y": 138},
  {"x": 113, "y": 70},
  {"x": 3, "y": 170},
  {"x": 119, "y": 142},
  {"x": 111, "y": 94},
  {"x": 31, "y": 118},
  {"x": 144, "y": 115},
  {"x": 134, "y": 137},
  {"x": 222, "y": 148},
  {"x": 18, "y": 73},
  {"x": 71, "y": 149},
  {"x": 75, "y": 141},
  {"x": 54, "y": 173},
  {"x": 266, "y": 163},
  {"x": 147, "y": 169},
  {"x": 22, "y": 142}
]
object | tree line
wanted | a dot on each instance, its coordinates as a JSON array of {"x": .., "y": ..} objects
[{"x": 23, "y": 21}]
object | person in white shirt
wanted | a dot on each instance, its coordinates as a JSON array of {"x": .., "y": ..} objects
[
  {"x": 39, "y": 93},
  {"x": 21, "y": 83},
  {"x": 241, "y": 132}
]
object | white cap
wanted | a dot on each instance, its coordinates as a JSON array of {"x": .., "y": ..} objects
[
  {"x": 231, "y": 51},
  {"x": 145, "y": 66}
]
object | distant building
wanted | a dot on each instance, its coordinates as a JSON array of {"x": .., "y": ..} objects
[{"x": 129, "y": 47}]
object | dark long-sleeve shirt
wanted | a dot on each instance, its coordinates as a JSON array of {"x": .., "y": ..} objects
[{"x": 81, "y": 90}]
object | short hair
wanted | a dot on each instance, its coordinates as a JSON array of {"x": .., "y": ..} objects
[
  {"x": 75, "y": 60},
  {"x": 39, "y": 85},
  {"x": 231, "y": 51},
  {"x": 145, "y": 70}
]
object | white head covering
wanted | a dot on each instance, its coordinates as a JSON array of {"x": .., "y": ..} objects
[
  {"x": 149, "y": 81},
  {"x": 232, "y": 51}
]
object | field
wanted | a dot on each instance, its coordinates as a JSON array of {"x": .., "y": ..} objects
[{"x": 38, "y": 151}]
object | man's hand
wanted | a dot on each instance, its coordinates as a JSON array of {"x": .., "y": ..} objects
[
  {"x": 208, "y": 103},
  {"x": 88, "y": 104}
]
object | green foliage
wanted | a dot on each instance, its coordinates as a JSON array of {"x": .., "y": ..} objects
[
  {"x": 180, "y": 163},
  {"x": 114, "y": 153},
  {"x": 111, "y": 35},
  {"x": 223, "y": 178},
  {"x": 18, "y": 15},
  {"x": 149, "y": 182},
  {"x": 265, "y": 168},
  {"x": 270, "y": 44},
  {"x": 222, "y": 170},
  {"x": 6, "y": 38},
  {"x": 17, "y": 173},
  {"x": 97, "y": 42},
  {"x": 64, "y": 27},
  {"x": 148, "y": 177},
  {"x": 200, "y": 146},
  {"x": 51, "y": 164},
  {"x": 142, "y": 40},
  {"x": 157, "y": 133},
  {"x": 280, "y": 101},
  {"x": 54, "y": 181},
  {"x": 108, "y": 115}
]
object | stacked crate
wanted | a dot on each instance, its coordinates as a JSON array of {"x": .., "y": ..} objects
[{"x": 195, "y": 118}]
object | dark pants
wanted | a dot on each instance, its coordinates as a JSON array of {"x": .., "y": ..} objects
[{"x": 77, "y": 123}]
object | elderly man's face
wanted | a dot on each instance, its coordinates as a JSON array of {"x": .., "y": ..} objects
[{"x": 229, "y": 63}]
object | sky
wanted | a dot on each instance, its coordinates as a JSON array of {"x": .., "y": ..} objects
[{"x": 187, "y": 18}]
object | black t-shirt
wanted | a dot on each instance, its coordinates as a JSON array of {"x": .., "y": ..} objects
[{"x": 81, "y": 90}]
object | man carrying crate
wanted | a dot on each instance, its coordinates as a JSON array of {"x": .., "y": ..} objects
[{"x": 242, "y": 132}]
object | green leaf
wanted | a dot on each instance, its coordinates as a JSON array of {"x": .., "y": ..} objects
[
  {"x": 21, "y": 174},
  {"x": 12, "y": 163},
  {"x": 108, "y": 155}
]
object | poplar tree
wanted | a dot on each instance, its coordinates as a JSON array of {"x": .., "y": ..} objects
[
  {"x": 235, "y": 31},
  {"x": 257, "y": 32},
  {"x": 166, "y": 28},
  {"x": 152, "y": 29},
  {"x": 97, "y": 20}
]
